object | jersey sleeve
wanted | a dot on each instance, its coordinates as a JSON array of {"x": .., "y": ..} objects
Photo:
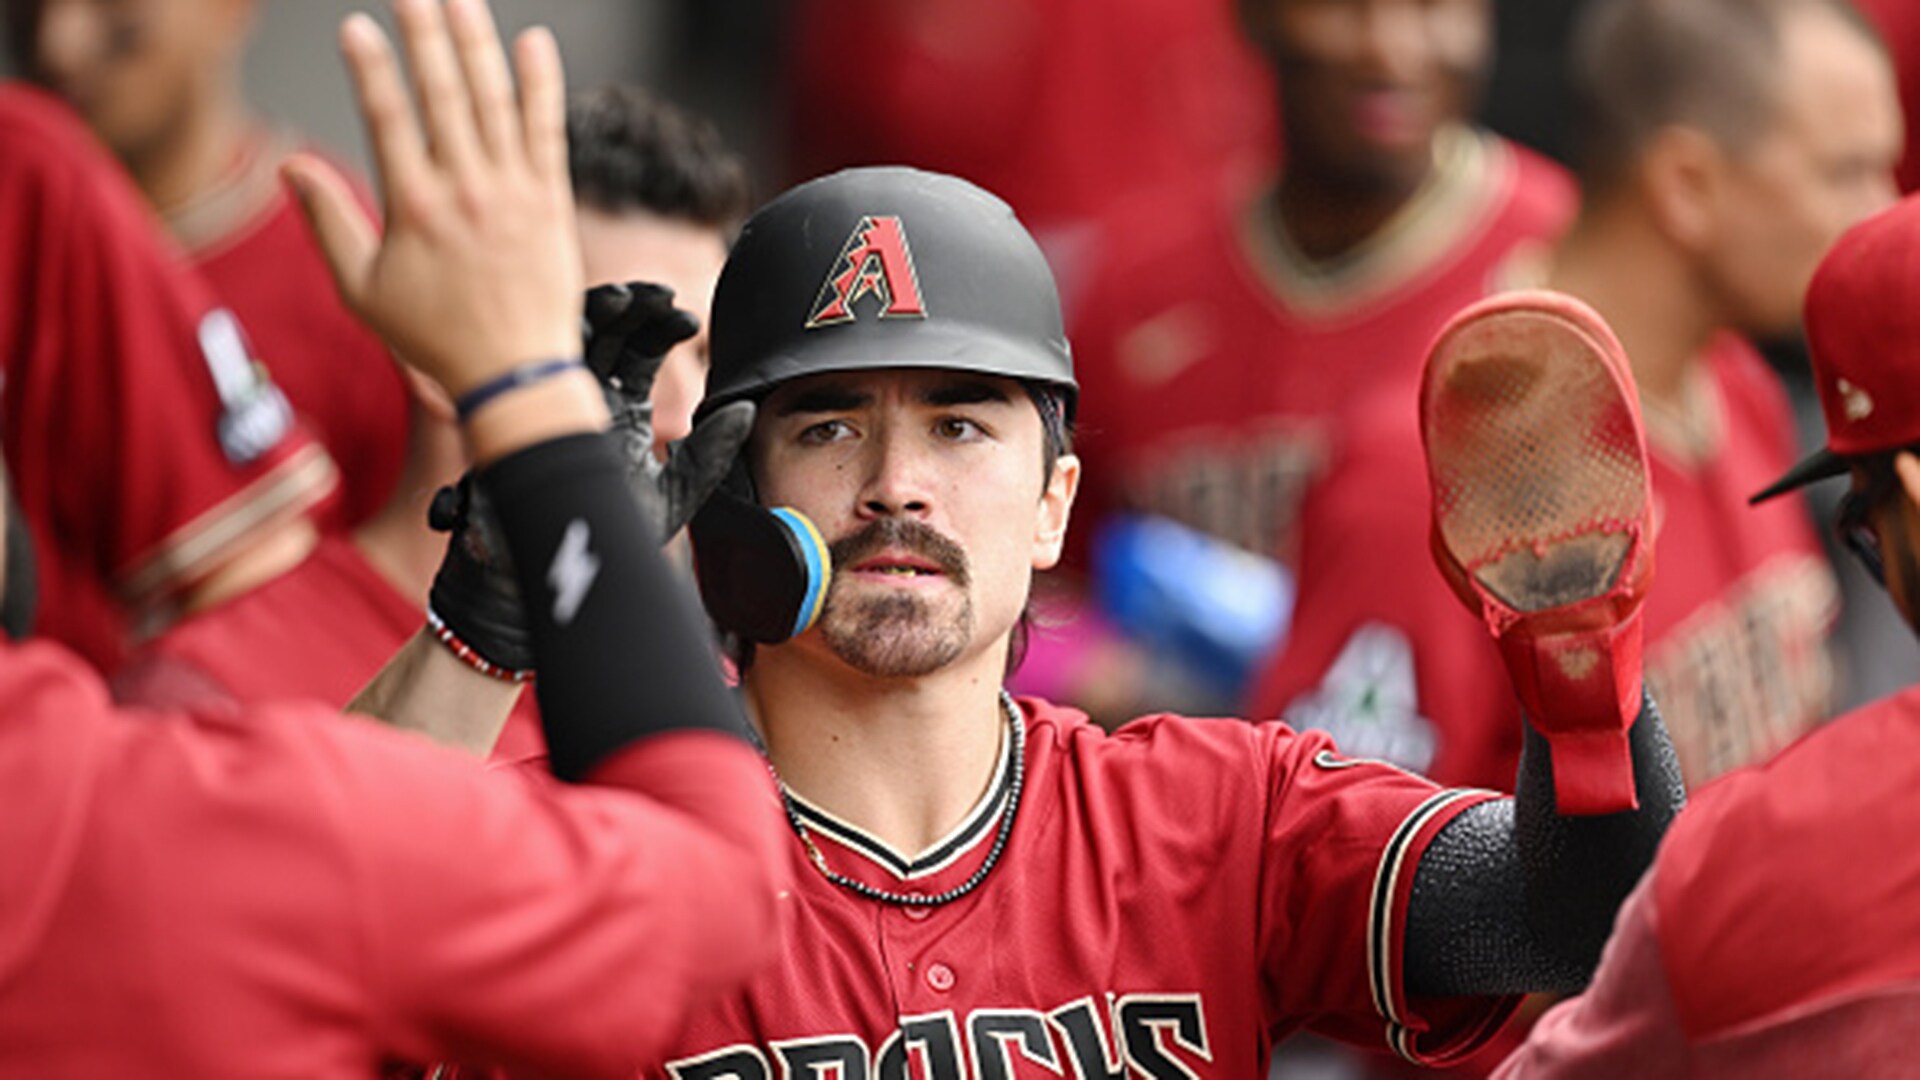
[
  {"x": 551, "y": 928},
  {"x": 147, "y": 446},
  {"x": 1624, "y": 1025},
  {"x": 1343, "y": 837}
]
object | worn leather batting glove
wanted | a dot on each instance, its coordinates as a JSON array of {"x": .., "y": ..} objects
[{"x": 474, "y": 604}]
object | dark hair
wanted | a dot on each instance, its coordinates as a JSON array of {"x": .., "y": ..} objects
[
  {"x": 1641, "y": 65},
  {"x": 628, "y": 150}
]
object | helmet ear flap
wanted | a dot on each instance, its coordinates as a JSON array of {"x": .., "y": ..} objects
[{"x": 763, "y": 573}]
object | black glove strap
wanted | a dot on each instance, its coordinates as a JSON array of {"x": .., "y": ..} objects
[{"x": 619, "y": 642}]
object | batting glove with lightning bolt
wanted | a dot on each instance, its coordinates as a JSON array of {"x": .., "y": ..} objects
[{"x": 474, "y": 606}]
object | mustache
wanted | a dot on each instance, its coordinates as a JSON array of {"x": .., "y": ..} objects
[{"x": 902, "y": 534}]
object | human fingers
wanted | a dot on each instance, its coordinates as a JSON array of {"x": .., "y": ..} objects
[
  {"x": 446, "y": 103},
  {"x": 399, "y": 155},
  {"x": 339, "y": 225},
  {"x": 543, "y": 104},
  {"x": 495, "y": 112}
]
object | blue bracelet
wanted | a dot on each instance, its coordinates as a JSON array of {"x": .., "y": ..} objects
[{"x": 525, "y": 375}]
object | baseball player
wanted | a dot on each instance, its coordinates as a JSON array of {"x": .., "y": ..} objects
[
  {"x": 155, "y": 467},
  {"x": 1725, "y": 144},
  {"x": 275, "y": 892},
  {"x": 160, "y": 83},
  {"x": 991, "y": 886},
  {"x": 1239, "y": 353},
  {"x": 1772, "y": 936}
]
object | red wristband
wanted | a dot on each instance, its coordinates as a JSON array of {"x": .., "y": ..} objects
[{"x": 444, "y": 635}]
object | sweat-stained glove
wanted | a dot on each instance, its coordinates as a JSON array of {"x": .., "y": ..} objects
[{"x": 474, "y": 605}]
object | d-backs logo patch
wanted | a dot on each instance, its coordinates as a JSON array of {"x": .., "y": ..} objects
[{"x": 876, "y": 260}]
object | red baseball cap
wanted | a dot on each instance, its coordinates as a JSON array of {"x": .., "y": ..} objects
[{"x": 1863, "y": 328}]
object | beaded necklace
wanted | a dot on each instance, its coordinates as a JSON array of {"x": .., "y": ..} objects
[{"x": 1017, "y": 747}]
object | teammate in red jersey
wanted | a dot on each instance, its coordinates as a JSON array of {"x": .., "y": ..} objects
[
  {"x": 1708, "y": 205},
  {"x": 156, "y": 469},
  {"x": 1232, "y": 350},
  {"x": 658, "y": 194},
  {"x": 997, "y": 887},
  {"x": 1772, "y": 937},
  {"x": 159, "y": 81},
  {"x": 240, "y": 893}
]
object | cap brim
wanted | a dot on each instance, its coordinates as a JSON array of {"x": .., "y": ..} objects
[{"x": 1820, "y": 465}]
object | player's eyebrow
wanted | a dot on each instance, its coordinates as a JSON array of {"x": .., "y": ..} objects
[
  {"x": 964, "y": 392},
  {"x": 821, "y": 399}
]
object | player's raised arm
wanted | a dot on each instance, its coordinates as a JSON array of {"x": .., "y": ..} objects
[
  {"x": 1543, "y": 522},
  {"x": 476, "y": 281}
]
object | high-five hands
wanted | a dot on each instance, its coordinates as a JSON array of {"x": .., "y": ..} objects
[{"x": 478, "y": 270}]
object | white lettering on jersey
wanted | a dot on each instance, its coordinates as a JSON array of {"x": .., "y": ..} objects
[{"x": 1157, "y": 1036}]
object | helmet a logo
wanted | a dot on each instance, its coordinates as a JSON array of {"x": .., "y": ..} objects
[{"x": 875, "y": 261}]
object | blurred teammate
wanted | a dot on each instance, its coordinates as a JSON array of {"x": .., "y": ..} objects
[
  {"x": 159, "y": 81},
  {"x": 1724, "y": 145},
  {"x": 239, "y": 893},
  {"x": 1771, "y": 937},
  {"x": 1238, "y": 356},
  {"x": 156, "y": 469},
  {"x": 658, "y": 196}
]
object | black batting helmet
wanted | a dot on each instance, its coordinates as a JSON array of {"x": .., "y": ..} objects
[{"x": 884, "y": 268}]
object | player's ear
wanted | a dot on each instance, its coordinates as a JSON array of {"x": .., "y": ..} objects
[
  {"x": 1056, "y": 508},
  {"x": 1680, "y": 177}
]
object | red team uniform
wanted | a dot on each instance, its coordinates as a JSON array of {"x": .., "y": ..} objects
[
  {"x": 1381, "y": 655},
  {"x": 322, "y": 630},
  {"x": 145, "y": 446},
  {"x": 318, "y": 895},
  {"x": 248, "y": 241},
  {"x": 1230, "y": 386},
  {"x": 1171, "y": 900},
  {"x": 1774, "y": 935}
]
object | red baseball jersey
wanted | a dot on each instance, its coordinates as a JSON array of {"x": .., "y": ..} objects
[
  {"x": 320, "y": 631},
  {"x": 281, "y": 892},
  {"x": 1775, "y": 934},
  {"x": 1384, "y": 656},
  {"x": 1057, "y": 106},
  {"x": 1171, "y": 900},
  {"x": 248, "y": 241},
  {"x": 145, "y": 444},
  {"x": 1220, "y": 372}
]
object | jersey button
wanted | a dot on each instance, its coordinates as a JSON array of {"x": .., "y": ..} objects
[
  {"x": 916, "y": 912},
  {"x": 940, "y": 977}
]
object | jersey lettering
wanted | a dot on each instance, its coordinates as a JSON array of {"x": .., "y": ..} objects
[
  {"x": 993, "y": 1033},
  {"x": 937, "y": 1042},
  {"x": 1247, "y": 492},
  {"x": 741, "y": 1062},
  {"x": 1155, "y": 1036},
  {"x": 835, "y": 1057},
  {"x": 876, "y": 261},
  {"x": 1749, "y": 673}
]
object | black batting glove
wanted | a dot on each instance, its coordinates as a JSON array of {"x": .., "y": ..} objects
[
  {"x": 475, "y": 600},
  {"x": 630, "y": 329}
]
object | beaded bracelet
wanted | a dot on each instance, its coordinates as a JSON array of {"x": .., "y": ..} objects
[
  {"x": 444, "y": 635},
  {"x": 525, "y": 375}
]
